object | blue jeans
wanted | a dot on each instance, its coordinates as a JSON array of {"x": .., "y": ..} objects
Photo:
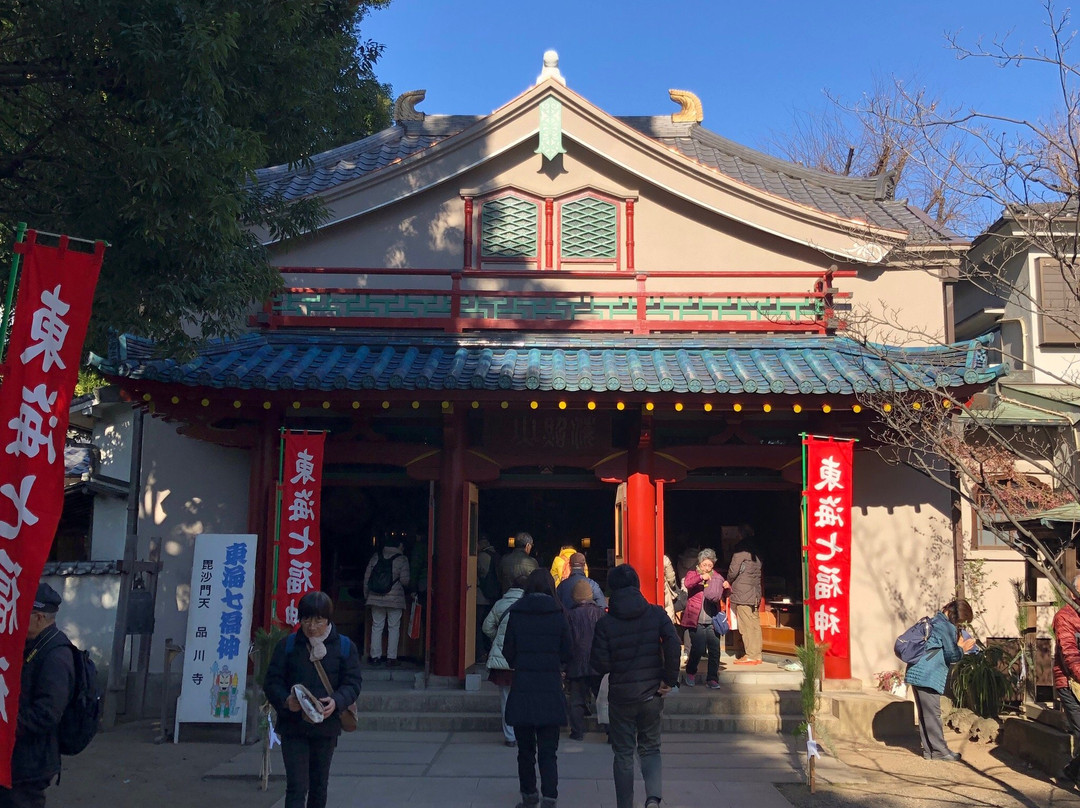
[{"x": 636, "y": 726}]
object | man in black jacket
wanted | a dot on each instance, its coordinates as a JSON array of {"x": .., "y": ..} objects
[
  {"x": 635, "y": 644},
  {"x": 48, "y": 678}
]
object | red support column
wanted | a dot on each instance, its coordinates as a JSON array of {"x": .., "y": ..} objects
[
  {"x": 641, "y": 549},
  {"x": 449, "y": 552},
  {"x": 261, "y": 510}
]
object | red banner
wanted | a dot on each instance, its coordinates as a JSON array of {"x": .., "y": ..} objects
[
  {"x": 299, "y": 563},
  {"x": 56, "y": 290},
  {"x": 828, "y": 535}
]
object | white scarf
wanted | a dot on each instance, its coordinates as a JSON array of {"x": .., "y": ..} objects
[{"x": 318, "y": 644}]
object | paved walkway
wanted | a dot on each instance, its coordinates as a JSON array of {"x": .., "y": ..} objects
[{"x": 471, "y": 769}]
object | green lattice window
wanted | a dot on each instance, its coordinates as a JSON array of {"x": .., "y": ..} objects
[
  {"x": 508, "y": 228},
  {"x": 588, "y": 229}
]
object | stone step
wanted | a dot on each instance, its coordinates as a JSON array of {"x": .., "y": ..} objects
[{"x": 489, "y": 722}]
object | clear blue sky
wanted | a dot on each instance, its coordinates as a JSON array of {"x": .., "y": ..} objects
[{"x": 752, "y": 64}]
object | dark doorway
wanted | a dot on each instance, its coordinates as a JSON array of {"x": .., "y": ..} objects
[
  {"x": 708, "y": 518},
  {"x": 554, "y": 517},
  {"x": 353, "y": 517}
]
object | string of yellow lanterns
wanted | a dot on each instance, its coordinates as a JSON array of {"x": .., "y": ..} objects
[{"x": 649, "y": 406}]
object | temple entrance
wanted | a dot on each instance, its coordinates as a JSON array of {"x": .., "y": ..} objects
[
  {"x": 583, "y": 517},
  {"x": 710, "y": 518},
  {"x": 354, "y": 516}
]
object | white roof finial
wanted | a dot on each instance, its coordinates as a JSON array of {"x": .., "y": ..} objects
[{"x": 551, "y": 68}]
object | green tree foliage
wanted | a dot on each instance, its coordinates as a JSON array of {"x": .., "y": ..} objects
[{"x": 141, "y": 122}]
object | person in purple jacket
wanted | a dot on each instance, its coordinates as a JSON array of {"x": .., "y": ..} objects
[{"x": 706, "y": 588}]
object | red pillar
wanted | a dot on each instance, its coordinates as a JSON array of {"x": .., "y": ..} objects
[
  {"x": 261, "y": 510},
  {"x": 641, "y": 547},
  {"x": 449, "y": 552}
]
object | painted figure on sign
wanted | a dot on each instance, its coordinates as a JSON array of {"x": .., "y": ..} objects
[{"x": 223, "y": 692}]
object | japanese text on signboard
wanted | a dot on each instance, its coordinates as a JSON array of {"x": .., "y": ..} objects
[
  {"x": 298, "y": 537},
  {"x": 52, "y": 311},
  {"x": 828, "y": 516}
]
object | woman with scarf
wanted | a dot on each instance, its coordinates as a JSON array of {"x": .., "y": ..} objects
[{"x": 306, "y": 747}]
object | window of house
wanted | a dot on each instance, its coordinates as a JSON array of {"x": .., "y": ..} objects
[
  {"x": 985, "y": 537},
  {"x": 1059, "y": 303},
  {"x": 588, "y": 229},
  {"x": 509, "y": 229}
]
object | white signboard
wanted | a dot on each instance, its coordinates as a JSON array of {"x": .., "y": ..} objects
[{"x": 218, "y": 632}]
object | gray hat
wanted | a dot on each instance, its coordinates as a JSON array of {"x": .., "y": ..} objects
[{"x": 47, "y": 599}]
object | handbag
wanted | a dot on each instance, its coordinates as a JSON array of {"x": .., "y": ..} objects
[
  {"x": 415, "y": 612},
  {"x": 720, "y": 623},
  {"x": 678, "y": 603},
  {"x": 348, "y": 715}
]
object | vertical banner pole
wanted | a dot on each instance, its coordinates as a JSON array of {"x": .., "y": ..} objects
[
  {"x": 20, "y": 234},
  {"x": 805, "y": 545},
  {"x": 277, "y": 528}
]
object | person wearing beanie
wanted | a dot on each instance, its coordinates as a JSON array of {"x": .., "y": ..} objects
[
  {"x": 582, "y": 680},
  {"x": 579, "y": 571},
  {"x": 637, "y": 681},
  {"x": 46, "y": 686}
]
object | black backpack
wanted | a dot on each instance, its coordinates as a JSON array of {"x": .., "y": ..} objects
[
  {"x": 82, "y": 717},
  {"x": 489, "y": 584},
  {"x": 382, "y": 575}
]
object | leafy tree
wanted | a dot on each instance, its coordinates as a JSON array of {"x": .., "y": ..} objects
[{"x": 142, "y": 121}]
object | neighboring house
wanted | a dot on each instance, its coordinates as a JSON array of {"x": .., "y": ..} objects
[
  {"x": 553, "y": 319},
  {"x": 1013, "y": 291}
]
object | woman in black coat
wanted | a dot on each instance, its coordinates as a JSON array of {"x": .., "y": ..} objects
[
  {"x": 537, "y": 646},
  {"x": 308, "y": 748}
]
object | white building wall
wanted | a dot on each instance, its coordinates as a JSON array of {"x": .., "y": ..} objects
[
  {"x": 88, "y": 613},
  {"x": 902, "y": 559},
  {"x": 189, "y": 487}
]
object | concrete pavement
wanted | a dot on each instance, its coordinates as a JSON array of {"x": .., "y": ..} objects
[{"x": 475, "y": 770}]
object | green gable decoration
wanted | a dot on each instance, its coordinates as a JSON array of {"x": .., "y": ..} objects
[{"x": 550, "y": 128}]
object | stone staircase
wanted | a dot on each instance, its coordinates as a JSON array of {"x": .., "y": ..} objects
[{"x": 764, "y": 700}]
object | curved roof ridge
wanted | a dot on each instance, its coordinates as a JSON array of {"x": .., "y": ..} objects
[{"x": 875, "y": 187}]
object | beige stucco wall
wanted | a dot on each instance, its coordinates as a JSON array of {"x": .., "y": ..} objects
[
  {"x": 426, "y": 231},
  {"x": 902, "y": 563},
  {"x": 188, "y": 487}
]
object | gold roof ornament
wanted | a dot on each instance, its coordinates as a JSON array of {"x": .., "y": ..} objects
[
  {"x": 691, "y": 111},
  {"x": 405, "y": 106}
]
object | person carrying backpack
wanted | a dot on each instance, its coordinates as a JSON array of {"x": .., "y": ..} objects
[
  {"x": 944, "y": 647},
  {"x": 48, "y": 681},
  {"x": 385, "y": 580}
]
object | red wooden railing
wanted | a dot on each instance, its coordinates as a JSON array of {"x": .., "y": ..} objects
[{"x": 647, "y": 295}]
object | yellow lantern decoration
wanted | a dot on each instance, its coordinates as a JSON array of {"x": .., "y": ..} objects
[
  {"x": 386, "y": 405},
  {"x": 175, "y": 399},
  {"x": 678, "y": 406},
  {"x": 857, "y": 408},
  {"x": 476, "y": 405},
  {"x": 504, "y": 404},
  {"x": 326, "y": 405},
  {"x": 826, "y": 408},
  {"x": 416, "y": 405},
  {"x": 737, "y": 407},
  {"x": 620, "y": 406},
  {"x": 296, "y": 405},
  {"x": 534, "y": 404},
  {"x": 562, "y": 405},
  {"x": 236, "y": 404},
  {"x": 916, "y": 405},
  {"x": 887, "y": 407},
  {"x": 649, "y": 406},
  {"x": 205, "y": 402},
  {"x": 356, "y": 405},
  {"x": 708, "y": 407},
  {"x": 592, "y": 405},
  {"x": 266, "y": 405},
  {"x": 146, "y": 396},
  {"x": 797, "y": 408},
  {"x": 766, "y": 407}
]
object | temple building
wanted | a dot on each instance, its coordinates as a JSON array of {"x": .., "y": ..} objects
[{"x": 610, "y": 332}]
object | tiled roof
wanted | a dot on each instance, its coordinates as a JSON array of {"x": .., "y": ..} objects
[
  {"x": 863, "y": 199},
  {"x": 706, "y": 364}
]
